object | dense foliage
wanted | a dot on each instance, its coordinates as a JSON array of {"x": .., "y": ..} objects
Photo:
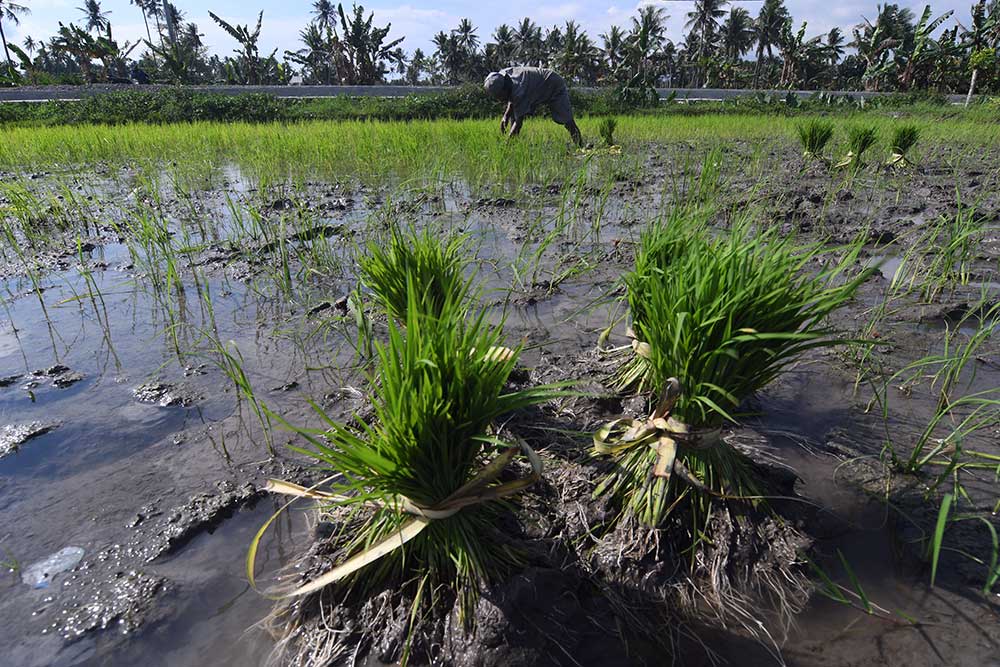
[
  {"x": 725, "y": 46},
  {"x": 172, "y": 105}
]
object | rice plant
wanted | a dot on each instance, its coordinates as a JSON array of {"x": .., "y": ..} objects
[
  {"x": 904, "y": 137},
  {"x": 437, "y": 270},
  {"x": 715, "y": 318},
  {"x": 420, "y": 486},
  {"x": 859, "y": 140},
  {"x": 814, "y": 135},
  {"x": 607, "y": 131}
]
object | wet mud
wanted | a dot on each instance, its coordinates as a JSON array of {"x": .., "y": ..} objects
[{"x": 122, "y": 435}]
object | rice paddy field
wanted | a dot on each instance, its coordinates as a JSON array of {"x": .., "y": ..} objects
[{"x": 724, "y": 389}]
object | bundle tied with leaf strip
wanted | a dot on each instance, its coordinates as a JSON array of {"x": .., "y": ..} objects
[
  {"x": 904, "y": 138},
  {"x": 421, "y": 494},
  {"x": 721, "y": 316}
]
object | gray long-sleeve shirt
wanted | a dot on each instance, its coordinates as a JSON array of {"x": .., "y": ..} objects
[{"x": 534, "y": 86}]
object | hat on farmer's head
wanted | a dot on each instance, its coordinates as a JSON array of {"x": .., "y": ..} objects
[{"x": 494, "y": 84}]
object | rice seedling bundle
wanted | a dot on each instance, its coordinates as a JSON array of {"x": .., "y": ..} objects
[
  {"x": 814, "y": 134},
  {"x": 421, "y": 484},
  {"x": 714, "y": 319},
  {"x": 859, "y": 140},
  {"x": 607, "y": 131},
  {"x": 904, "y": 138}
]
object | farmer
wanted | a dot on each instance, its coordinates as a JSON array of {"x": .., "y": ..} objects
[{"x": 524, "y": 89}]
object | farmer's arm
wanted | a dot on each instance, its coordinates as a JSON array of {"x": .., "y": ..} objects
[
  {"x": 515, "y": 127},
  {"x": 508, "y": 117}
]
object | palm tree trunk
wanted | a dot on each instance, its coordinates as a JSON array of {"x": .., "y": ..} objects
[
  {"x": 3, "y": 38},
  {"x": 149, "y": 35},
  {"x": 972, "y": 86},
  {"x": 756, "y": 66}
]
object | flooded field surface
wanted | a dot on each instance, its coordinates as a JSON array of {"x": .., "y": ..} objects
[{"x": 154, "y": 323}]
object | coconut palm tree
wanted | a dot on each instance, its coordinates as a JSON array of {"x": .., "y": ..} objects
[
  {"x": 578, "y": 56},
  {"x": 614, "y": 48},
  {"x": 142, "y": 5},
  {"x": 154, "y": 9},
  {"x": 737, "y": 34},
  {"x": 835, "y": 45},
  {"x": 648, "y": 31},
  {"x": 450, "y": 56},
  {"x": 325, "y": 13},
  {"x": 94, "y": 17},
  {"x": 10, "y": 12},
  {"x": 528, "y": 38},
  {"x": 703, "y": 21},
  {"x": 418, "y": 64},
  {"x": 466, "y": 35},
  {"x": 769, "y": 25},
  {"x": 644, "y": 53},
  {"x": 502, "y": 50},
  {"x": 30, "y": 44}
]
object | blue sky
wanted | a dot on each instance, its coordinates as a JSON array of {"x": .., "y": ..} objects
[{"x": 419, "y": 21}]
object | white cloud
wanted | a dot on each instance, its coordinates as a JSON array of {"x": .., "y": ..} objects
[{"x": 556, "y": 13}]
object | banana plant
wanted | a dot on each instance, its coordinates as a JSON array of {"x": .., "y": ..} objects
[
  {"x": 25, "y": 62},
  {"x": 249, "y": 67},
  {"x": 981, "y": 41},
  {"x": 875, "y": 49},
  {"x": 925, "y": 50}
]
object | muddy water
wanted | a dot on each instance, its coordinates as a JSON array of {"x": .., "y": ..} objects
[{"x": 154, "y": 493}]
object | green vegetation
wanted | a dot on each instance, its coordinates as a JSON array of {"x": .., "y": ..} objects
[
  {"x": 607, "y": 131},
  {"x": 425, "y": 473},
  {"x": 721, "y": 302},
  {"x": 180, "y": 105},
  {"x": 859, "y": 140},
  {"x": 413, "y": 263},
  {"x": 376, "y": 153},
  {"x": 814, "y": 135},
  {"x": 895, "y": 50},
  {"x": 723, "y": 315},
  {"x": 904, "y": 138}
]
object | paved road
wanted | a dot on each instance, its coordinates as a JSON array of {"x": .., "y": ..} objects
[{"x": 46, "y": 93}]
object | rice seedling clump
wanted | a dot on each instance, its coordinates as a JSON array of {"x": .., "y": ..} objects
[
  {"x": 437, "y": 270},
  {"x": 715, "y": 318},
  {"x": 814, "y": 135},
  {"x": 859, "y": 140},
  {"x": 904, "y": 138},
  {"x": 416, "y": 496},
  {"x": 607, "y": 131}
]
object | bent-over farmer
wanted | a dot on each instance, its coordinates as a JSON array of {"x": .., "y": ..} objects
[{"x": 524, "y": 89}]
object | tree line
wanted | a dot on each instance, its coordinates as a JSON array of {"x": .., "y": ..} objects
[{"x": 724, "y": 46}]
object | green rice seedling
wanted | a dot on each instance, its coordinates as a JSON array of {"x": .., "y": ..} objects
[
  {"x": 814, "y": 135},
  {"x": 944, "y": 454},
  {"x": 904, "y": 137},
  {"x": 659, "y": 245},
  {"x": 607, "y": 131},
  {"x": 421, "y": 485},
  {"x": 859, "y": 140},
  {"x": 419, "y": 259},
  {"x": 715, "y": 319}
]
